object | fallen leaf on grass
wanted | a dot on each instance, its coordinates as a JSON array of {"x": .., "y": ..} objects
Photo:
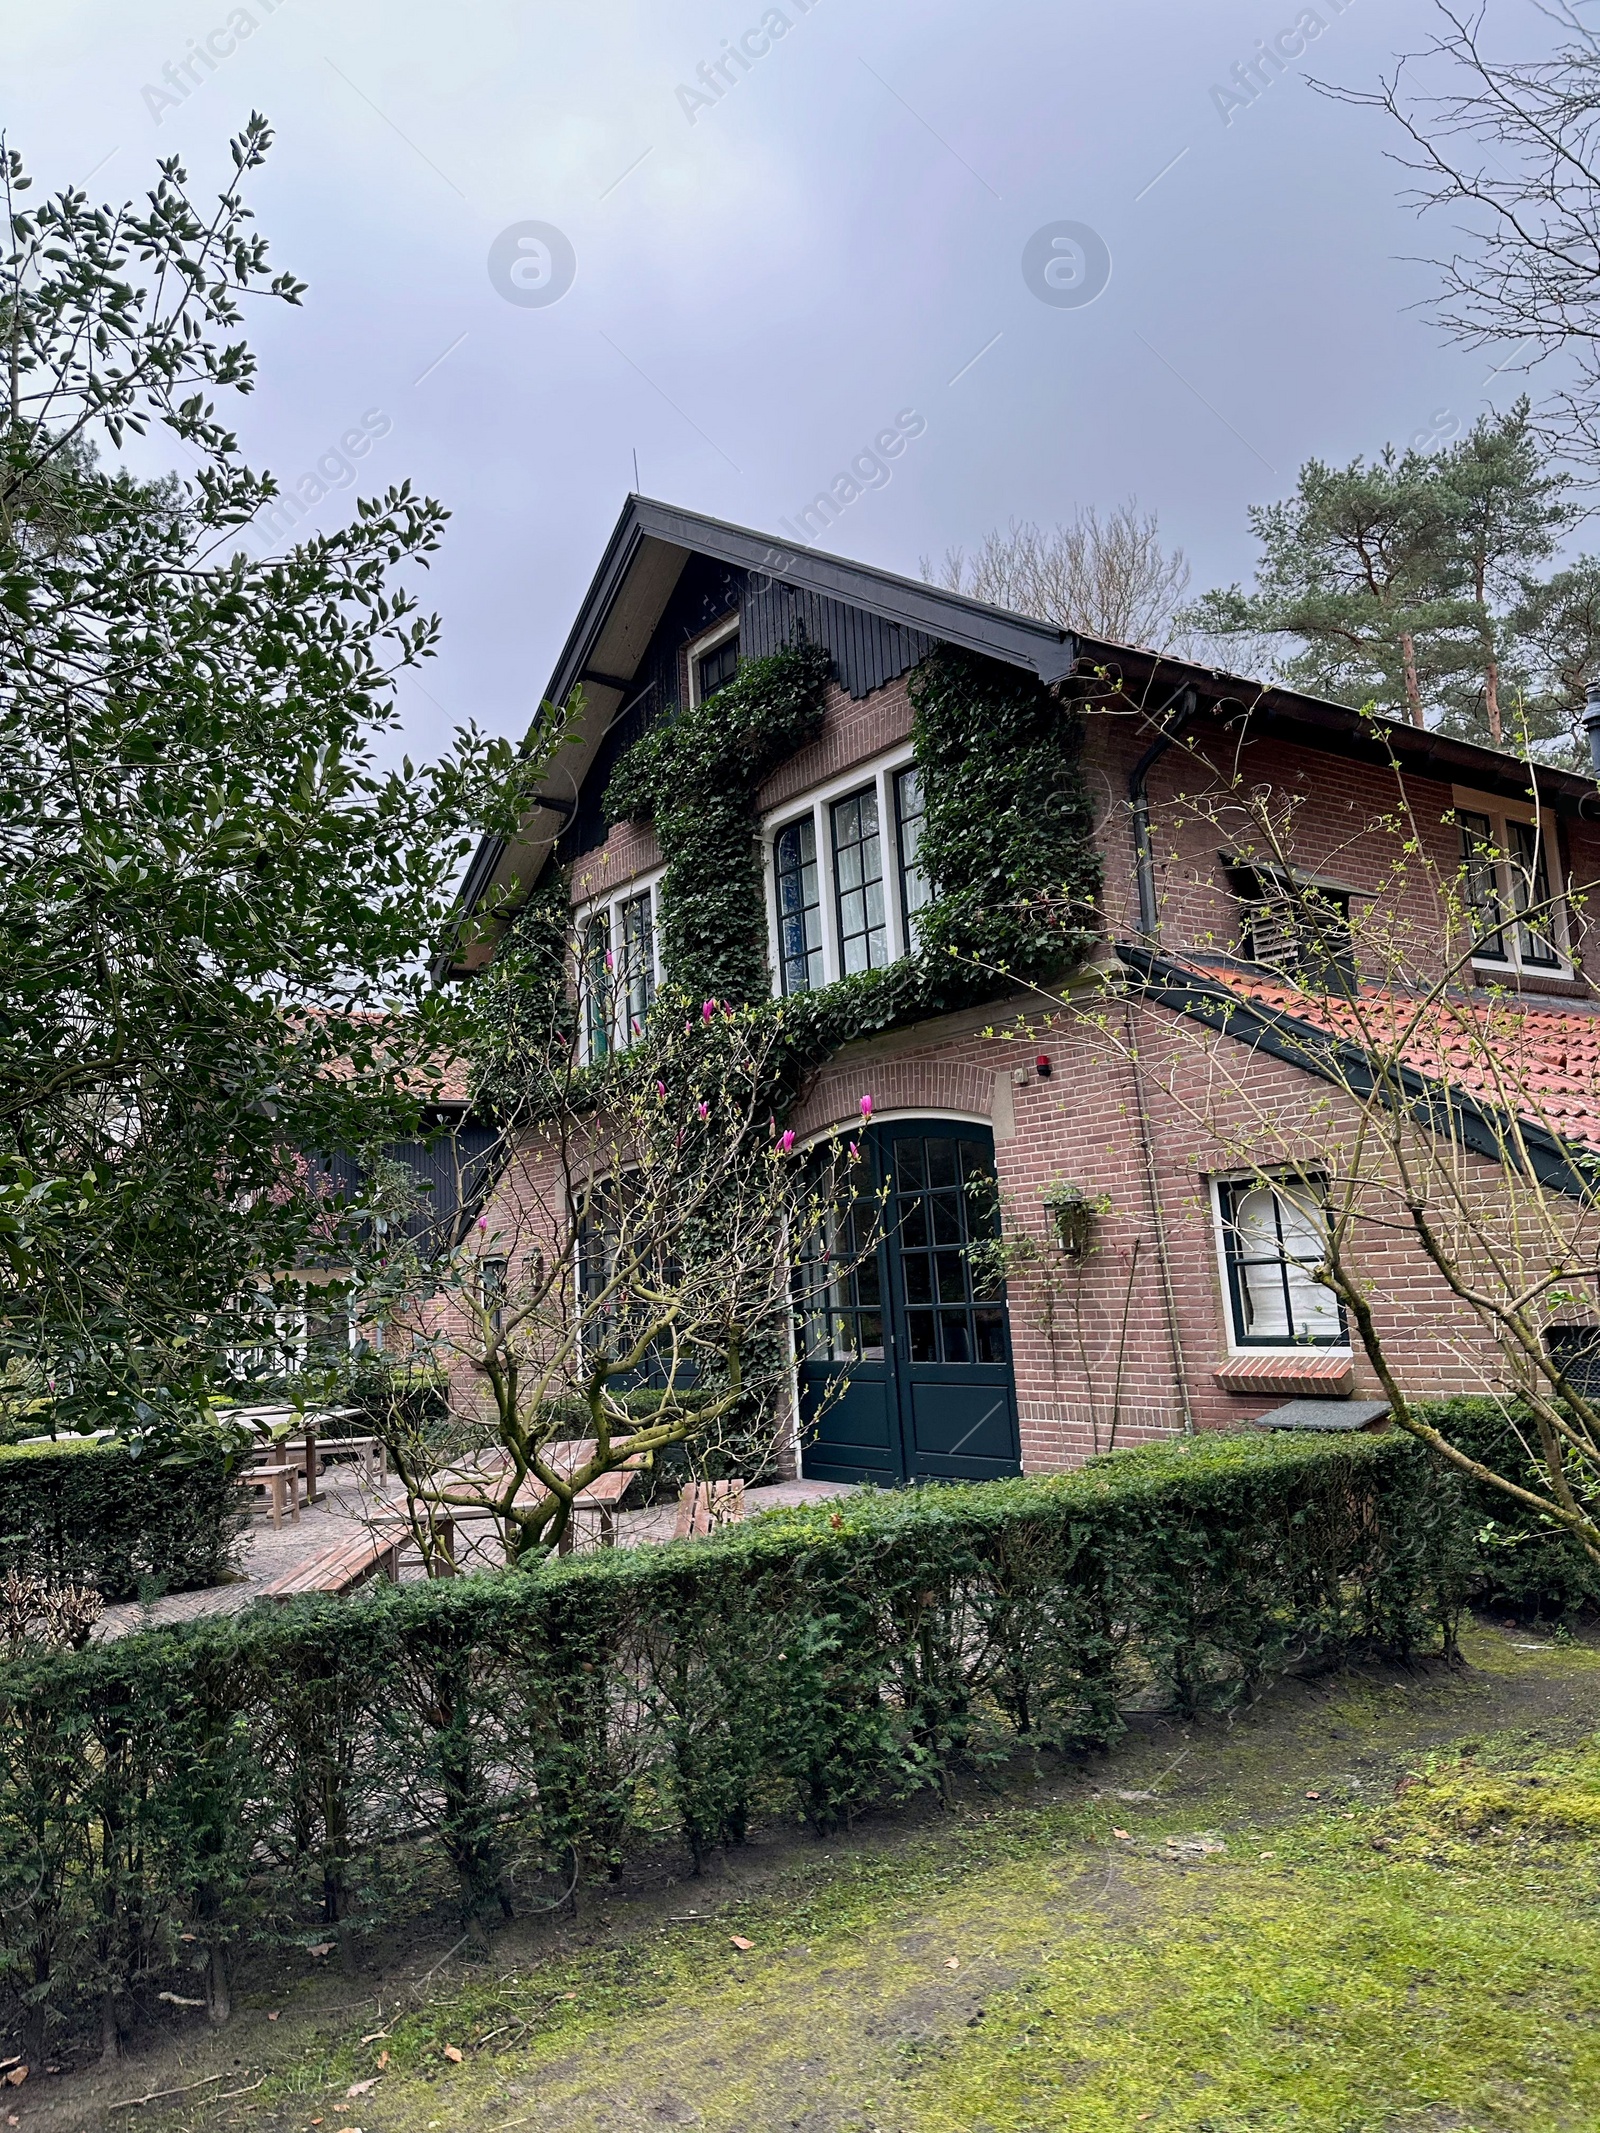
[
  {"x": 743, "y": 1946},
  {"x": 323, "y": 1947},
  {"x": 360, "y": 2088},
  {"x": 954, "y": 1963},
  {"x": 452, "y": 2054},
  {"x": 1124, "y": 1836},
  {"x": 273, "y": 2016},
  {"x": 383, "y": 2062},
  {"x": 1313, "y": 1795},
  {"x": 17, "y": 2076}
]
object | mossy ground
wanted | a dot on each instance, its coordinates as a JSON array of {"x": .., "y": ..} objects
[{"x": 1371, "y": 1903}]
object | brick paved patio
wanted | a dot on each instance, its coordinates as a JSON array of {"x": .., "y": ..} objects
[{"x": 346, "y": 1505}]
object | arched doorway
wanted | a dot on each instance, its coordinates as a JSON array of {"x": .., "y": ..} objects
[{"x": 918, "y": 1331}]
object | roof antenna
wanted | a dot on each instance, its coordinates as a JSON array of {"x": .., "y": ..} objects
[{"x": 636, "y": 470}]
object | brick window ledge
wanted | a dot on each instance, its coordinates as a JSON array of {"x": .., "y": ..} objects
[{"x": 1327, "y": 1374}]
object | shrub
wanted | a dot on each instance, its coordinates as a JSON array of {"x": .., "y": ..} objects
[
  {"x": 121, "y": 1518},
  {"x": 1525, "y": 1562},
  {"x": 322, "y": 1768}
]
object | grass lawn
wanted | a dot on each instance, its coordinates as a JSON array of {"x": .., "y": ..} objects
[{"x": 1371, "y": 1903}]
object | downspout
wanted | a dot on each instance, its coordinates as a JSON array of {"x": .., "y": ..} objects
[
  {"x": 1152, "y": 1180},
  {"x": 1144, "y": 866}
]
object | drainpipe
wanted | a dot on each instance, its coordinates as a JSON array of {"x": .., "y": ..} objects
[
  {"x": 1152, "y": 1180},
  {"x": 1591, "y": 725},
  {"x": 1144, "y": 867}
]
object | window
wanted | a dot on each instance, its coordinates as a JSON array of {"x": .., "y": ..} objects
[
  {"x": 1506, "y": 882},
  {"x": 617, "y": 972},
  {"x": 715, "y": 668},
  {"x": 493, "y": 1276},
  {"x": 1575, "y": 1351},
  {"x": 915, "y": 893},
  {"x": 1274, "y": 1237},
  {"x": 637, "y": 977},
  {"x": 858, "y": 882},
  {"x": 840, "y": 1278},
  {"x": 799, "y": 906},
  {"x": 1295, "y": 925},
  {"x": 947, "y": 1206},
  {"x": 599, "y": 1002},
  {"x": 849, "y": 883}
]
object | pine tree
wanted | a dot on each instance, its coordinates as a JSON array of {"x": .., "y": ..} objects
[
  {"x": 1355, "y": 565},
  {"x": 1505, "y": 509}
]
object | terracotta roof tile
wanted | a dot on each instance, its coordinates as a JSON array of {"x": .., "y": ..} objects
[{"x": 1537, "y": 1060}]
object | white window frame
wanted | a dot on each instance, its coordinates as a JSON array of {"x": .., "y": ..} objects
[
  {"x": 699, "y": 646},
  {"x": 878, "y": 773},
  {"x": 609, "y": 907},
  {"x": 1219, "y": 1184},
  {"x": 1502, "y": 813}
]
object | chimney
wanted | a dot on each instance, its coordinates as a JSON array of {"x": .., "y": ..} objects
[{"x": 1591, "y": 725}]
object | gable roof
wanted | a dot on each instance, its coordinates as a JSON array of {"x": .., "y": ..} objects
[{"x": 653, "y": 542}]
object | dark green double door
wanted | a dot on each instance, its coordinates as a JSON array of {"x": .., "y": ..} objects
[{"x": 913, "y": 1327}]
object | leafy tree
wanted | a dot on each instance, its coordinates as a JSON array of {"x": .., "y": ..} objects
[
  {"x": 213, "y": 901},
  {"x": 1504, "y": 507},
  {"x": 1557, "y": 629},
  {"x": 1352, "y": 570}
]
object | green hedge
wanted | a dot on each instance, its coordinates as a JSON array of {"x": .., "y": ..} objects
[
  {"x": 1525, "y": 1564},
  {"x": 125, "y": 1520},
  {"x": 333, "y": 1767}
]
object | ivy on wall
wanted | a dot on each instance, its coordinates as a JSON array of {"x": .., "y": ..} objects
[
  {"x": 1007, "y": 844},
  {"x": 697, "y": 777},
  {"x": 1007, "y": 835}
]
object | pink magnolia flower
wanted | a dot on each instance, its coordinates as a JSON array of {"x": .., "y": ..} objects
[
  {"x": 611, "y": 961},
  {"x": 661, "y": 1090},
  {"x": 866, "y": 1107},
  {"x": 785, "y": 1143},
  {"x": 704, "y": 1110},
  {"x": 855, "y": 1151},
  {"x": 483, "y": 1222},
  {"x": 707, "y": 1010}
]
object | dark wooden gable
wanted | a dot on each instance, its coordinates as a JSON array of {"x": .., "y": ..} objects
[{"x": 866, "y": 652}]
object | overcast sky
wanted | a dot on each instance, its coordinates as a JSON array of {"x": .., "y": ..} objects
[{"x": 768, "y": 269}]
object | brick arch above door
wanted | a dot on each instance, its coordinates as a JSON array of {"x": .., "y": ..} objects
[{"x": 934, "y": 1086}]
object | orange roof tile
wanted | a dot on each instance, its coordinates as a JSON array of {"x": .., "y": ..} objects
[{"x": 1533, "y": 1058}]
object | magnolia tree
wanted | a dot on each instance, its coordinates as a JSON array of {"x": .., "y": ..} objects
[
  {"x": 1437, "y": 1113},
  {"x": 623, "y": 1282}
]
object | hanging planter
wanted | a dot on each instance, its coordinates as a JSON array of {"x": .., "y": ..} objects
[{"x": 1073, "y": 1214}]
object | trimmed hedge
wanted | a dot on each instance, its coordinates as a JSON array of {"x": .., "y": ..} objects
[
  {"x": 332, "y": 1767},
  {"x": 1525, "y": 1564},
  {"x": 86, "y": 1511}
]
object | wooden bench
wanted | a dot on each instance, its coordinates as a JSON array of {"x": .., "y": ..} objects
[
  {"x": 280, "y": 1482},
  {"x": 705, "y": 1505},
  {"x": 347, "y": 1564}
]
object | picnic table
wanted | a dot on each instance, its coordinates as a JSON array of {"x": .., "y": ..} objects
[
  {"x": 601, "y": 1498},
  {"x": 304, "y": 1445}
]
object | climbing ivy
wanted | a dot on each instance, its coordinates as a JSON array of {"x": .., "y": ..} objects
[
  {"x": 1007, "y": 844},
  {"x": 521, "y": 1020},
  {"x": 696, "y": 776},
  {"x": 1007, "y": 835}
]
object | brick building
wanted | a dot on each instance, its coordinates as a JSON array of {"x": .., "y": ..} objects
[{"x": 1193, "y": 1307}]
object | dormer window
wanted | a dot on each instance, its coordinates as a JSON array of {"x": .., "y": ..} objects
[
  {"x": 1506, "y": 874},
  {"x": 1294, "y": 924},
  {"x": 713, "y": 661}
]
